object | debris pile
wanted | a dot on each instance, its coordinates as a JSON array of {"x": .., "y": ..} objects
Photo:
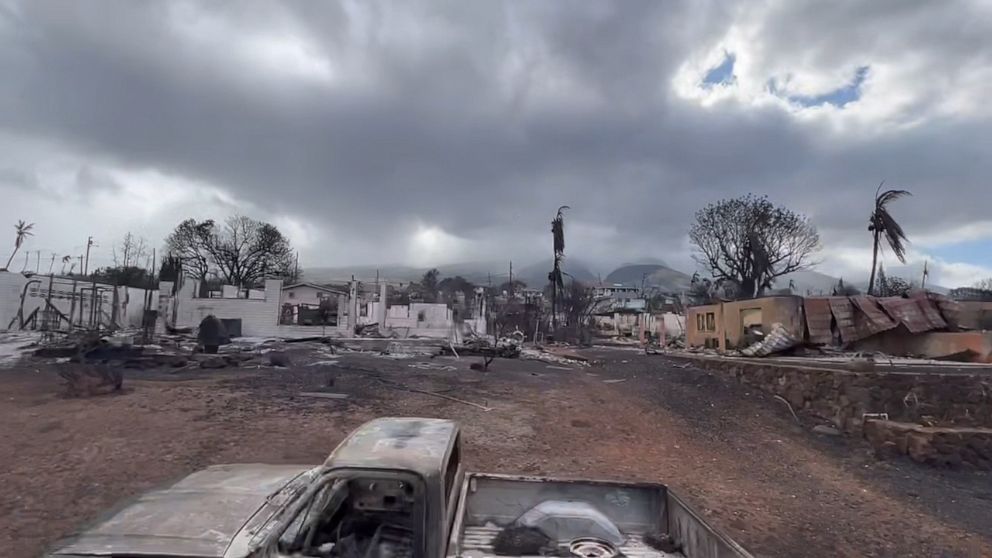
[
  {"x": 88, "y": 380},
  {"x": 775, "y": 342},
  {"x": 505, "y": 347}
]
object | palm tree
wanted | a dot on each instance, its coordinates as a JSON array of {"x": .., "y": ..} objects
[
  {"x": 23, "y": 231},
  {"x": 557, "y": 281},
  {"x": 65, "y": 259},
  {"x": 881, "y": 223}
]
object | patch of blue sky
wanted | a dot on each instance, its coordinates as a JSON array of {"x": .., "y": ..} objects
[
  {"x": 975, "y": 252},
  {"x": 838, "y": 97},
  {"x": 721, "y": 74}
]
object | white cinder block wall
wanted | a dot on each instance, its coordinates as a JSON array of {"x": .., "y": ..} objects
[{"x": 259, "y": 317}]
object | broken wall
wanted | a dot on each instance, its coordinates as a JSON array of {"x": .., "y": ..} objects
[
  {"x": 259, "y": 317},
  {"x": 964, "y": 346},
  {"x": 975, "y": 314},
  {"x": 69, "y": 296},
  {"x": 723, "y": 324},
  {"x": 704, "y": 326}
]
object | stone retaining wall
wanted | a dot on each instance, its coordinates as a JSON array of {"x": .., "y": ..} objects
[
  {"x": 940, "y": 446},
  {"x": 844, "y": 396}
]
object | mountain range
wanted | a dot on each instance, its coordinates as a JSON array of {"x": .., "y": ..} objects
[{"x": 649, "y": 273}]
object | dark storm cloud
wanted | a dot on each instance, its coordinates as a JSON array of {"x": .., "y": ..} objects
[{"x": 466, "y": 116}]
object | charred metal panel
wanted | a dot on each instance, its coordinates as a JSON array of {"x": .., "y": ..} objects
[
  {"x": 414, "y": 444},
  {"x": 843, "y": 311},
  {"x": 929, "y": 310},
  {"x": 907, "y": 312},
  {"x": 818, "y": 318},
  {"x": 949, "y": 308},
  {"x": 870, "y": 319}
]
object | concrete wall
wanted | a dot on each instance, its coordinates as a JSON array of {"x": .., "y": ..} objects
[
  {"x": 70, "y": 296},
  {"x": 674, "y": 324},
  {"x": 970, "y": 346},
  {"x": 976, "y": 314},
  {"x": 305, "y": 294},
  {"x": 259, "y": 318},
  {"x": 730, "y": 319},
  {"x": 704, "y": 326}
]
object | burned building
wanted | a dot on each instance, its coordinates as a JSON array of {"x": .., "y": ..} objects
[{"x": 924, "y": 324}]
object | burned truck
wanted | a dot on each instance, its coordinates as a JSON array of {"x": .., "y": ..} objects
[{"x": 396, "y": 488}]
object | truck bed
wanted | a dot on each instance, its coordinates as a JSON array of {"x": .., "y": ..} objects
[
  {"x": 638, "y": 513},
  {"x": 477, "y": 542}
]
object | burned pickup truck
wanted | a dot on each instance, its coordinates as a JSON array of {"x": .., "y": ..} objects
[{"x": 396, "y": 488}]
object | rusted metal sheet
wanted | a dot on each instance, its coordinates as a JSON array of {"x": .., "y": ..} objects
[
  {"x": 843, "y": 311},
  {"x": 818, "y": 319},
  {"x": 929, "y": 310},
  {"x": 949, "y": 308},
  {"x": 870, "y": 319},
  {"x": 907, "y": 312}
]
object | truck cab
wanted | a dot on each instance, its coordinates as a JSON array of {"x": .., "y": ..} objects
[{"x": 389, "y": 489}]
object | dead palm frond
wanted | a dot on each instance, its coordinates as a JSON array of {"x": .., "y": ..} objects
[
  {"x": 881, "y": 223},
  {"x": 885, "y": 223}
]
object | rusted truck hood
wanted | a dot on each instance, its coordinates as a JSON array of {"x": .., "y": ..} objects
[{"x": 197, "y": 517}]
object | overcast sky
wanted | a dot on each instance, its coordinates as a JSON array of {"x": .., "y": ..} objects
[{"x": 434, "y": 132}]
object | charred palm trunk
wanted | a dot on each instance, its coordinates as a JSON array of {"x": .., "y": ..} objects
[{"x": 874, "y": 263}]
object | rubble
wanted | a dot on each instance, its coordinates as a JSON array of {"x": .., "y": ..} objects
[
  {"x": 279, "y": 358},
  {"x": 544, "y": 355},
  {"x": 777, "y": 341},
  {"x": 89, "y": 380}
]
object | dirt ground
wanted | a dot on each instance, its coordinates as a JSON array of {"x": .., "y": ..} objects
[{"x": 736, "y": 454}]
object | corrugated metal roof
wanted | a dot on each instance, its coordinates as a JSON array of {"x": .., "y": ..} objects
[
  {"x": 908, "y": 312},
  {"x": 818, "y": 319},
  {"x": 949, "y": 308},
  {"x": 843, "y": 311},
  {"x": 870, "y": 319},
  {"x": 929, "y": 310}
]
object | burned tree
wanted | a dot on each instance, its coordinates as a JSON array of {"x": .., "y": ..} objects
[
  {"x": 245, "y": 251},
  {"x": 429, "y": 285},
  {"x": 882, "y": 223},
  {"x": 555, "y": 277},
  {"x": 188, "y": 243},
  {"x": 130, "y": 252},
  {"x": 241, "y": 252},
  {"x": 749, "y": 242}
]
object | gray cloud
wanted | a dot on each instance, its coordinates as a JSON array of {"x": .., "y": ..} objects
[{"x": 482, "y": 118}]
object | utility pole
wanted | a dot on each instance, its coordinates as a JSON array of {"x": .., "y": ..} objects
[
  {"x": 51, "y": 265},
  {"x": 81, "y": 263},
  {"x": 86, "y": 267},
  {"x": 37, "y": 261},
  {"x": 296, "y": 268}
]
